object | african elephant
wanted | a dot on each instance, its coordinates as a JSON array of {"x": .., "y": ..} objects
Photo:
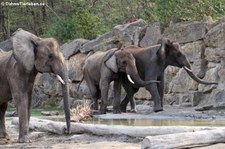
[
  {"x": 151, "y": 63},
  {"x": 103, "y": 67},
  {"x": 18, "y": 69}
]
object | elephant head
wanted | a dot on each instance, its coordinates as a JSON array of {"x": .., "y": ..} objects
[
  {"x": 170, "y": 54},
  {"x": 42, "y": 55},
  {"x": 124, "y": 61}
]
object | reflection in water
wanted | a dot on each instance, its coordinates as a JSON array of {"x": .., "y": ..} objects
[{"x": 157, "y": 122}]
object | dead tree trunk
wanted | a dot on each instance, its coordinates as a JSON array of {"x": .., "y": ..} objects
[
  {"x": 182, "y": 140},
  {"x": 133, "y": 131}
]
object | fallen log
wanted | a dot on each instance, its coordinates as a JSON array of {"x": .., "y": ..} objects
[
  {"x": 49, "y": 113},
  {"x": 183, "y": 140},
  {"x": 133, "y": 131}
]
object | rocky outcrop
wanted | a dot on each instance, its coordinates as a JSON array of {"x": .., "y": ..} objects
[
  {"x": 203, "y": 42},
  {"x": 151, "y": 35},
  {"x": 102, "y": 43},
  {"x": 188, "y": 31},
  {"x": 130, "y": 34},
  {"x": 73, "y": 47}
]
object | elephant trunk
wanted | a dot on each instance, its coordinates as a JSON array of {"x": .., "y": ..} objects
[
  {"x": 63, "y": 78},
  {"x": 134, "y": 77},
  {"x": 191, "y": 74}
]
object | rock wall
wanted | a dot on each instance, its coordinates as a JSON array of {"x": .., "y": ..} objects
[
  {"x": 75, "y": 53},
  {"x": 203, "y": 42}
]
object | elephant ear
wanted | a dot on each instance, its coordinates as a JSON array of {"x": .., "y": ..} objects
[
  {"x": 23, "y": 47},
  {"x": 111, "y": 63},
  {"x": 162, "y": 50}
]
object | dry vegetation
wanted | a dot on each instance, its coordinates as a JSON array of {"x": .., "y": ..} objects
[{"x": 82, "y": 112}]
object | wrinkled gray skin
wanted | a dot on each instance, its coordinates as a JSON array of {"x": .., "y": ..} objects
[
  {"x": 151, "y": 63},
  {"x": 103, "y": 67},
  {"x": 18, "y": 69}
]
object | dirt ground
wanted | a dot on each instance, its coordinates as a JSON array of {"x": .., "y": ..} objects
[{"x": 86, "y": 141}]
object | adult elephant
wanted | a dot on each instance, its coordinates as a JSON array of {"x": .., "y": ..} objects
[
  {"x": 18, "y": 69},
  {"x": 151, "y": 63},
  {"x": 103, "y": 67}
]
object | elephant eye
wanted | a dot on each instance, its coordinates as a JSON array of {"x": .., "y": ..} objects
[{"x": 124, "y": 63}]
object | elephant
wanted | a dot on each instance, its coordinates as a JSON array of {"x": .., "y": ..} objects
[
  {"x": 101, "y": 68},
  {"x": 151, "y": 63},
  {"x": 18, "y": 69}
]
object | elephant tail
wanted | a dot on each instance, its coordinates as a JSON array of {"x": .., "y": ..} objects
[{"x": 80, "y": 83}]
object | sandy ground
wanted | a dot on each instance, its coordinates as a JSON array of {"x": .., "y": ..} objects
[{"x": 86, "y": 141}]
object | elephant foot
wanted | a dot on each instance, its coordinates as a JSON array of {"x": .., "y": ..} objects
[
  {"x": 116, "y": 111},
  {"x": 24, "y": 139},
  {"x": 132, "y": 111},
  {"x": 158, "y": 109},
  {"x": 102, "y": 111},
  {"x": 4, "y": 135},
  {"x": 123, "y": 108}
]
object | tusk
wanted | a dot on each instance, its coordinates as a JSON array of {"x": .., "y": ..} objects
[
  {"x": 60, "y": 79},
  {"x": 187, "y": 69},
  {"x": 129, "y": 78}
]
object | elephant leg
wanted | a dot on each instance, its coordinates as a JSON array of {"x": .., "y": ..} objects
[
  {"x": 22, "y": 108},
  {"x": 104, "y": 87},
  {"x": 161, "y": 89},
  {"x": 29, "y": 102},
  {"x": 94, "y": 90},
  {"x": 19, "y": 92},
  {"x": 95, "y": 95},
  {"x": 153, "y": 89},
  {"x": 117, "y": 95},
  {"x": 124, "y": 103},
  {"x": 129, "y": 97},
  {"x": 3, "y": 133}
]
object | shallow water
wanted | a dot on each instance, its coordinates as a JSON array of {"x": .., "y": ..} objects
[{"x": 157, "y": 122}]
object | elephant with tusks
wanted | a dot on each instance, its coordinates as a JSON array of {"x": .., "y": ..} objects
[{"x": 18, "y": 69}]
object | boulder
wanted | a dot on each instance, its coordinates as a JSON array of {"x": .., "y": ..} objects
[
  {"x": 170, "y": 99},
  {"x": 180, "y": 83},
  {"x": 101, "y": 43},
  {"x": 152, "y": 35},
  {"x": 79, "y": 91},
  {"x": 74, "y": 65},
  {"x": 170, "y": 73},
  {"x": 213, "y": 54},
  {"x": 187, "y": 99},
  {"x": 47, "y": 89},
  {"x": 142, "y": 94},
  {"x": 195, "y": 53},
  {"x": 72, "y": 47},
  {"x": 128, "y": 34},
  {"x": 211, "y": 76},
  {"x": 215, "y": 36},
  {"x": 144, "y": 109},
  {"x": 221, "y": 75},
  {"x": 216, "y": 98},
  {"x": 193, "y": 50},
  {"x": 185, "y": 32}
]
